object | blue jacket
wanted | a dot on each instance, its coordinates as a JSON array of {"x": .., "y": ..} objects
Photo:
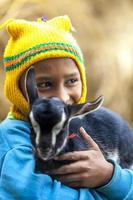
[{"x": 18, "y": 181}]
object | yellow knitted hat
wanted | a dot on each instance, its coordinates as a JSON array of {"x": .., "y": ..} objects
[{"x": 31, "y": 42}]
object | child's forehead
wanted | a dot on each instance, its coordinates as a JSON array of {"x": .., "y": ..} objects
[
  {"x": 51, "y": 61},
  {"x": 55, "y": 65}
]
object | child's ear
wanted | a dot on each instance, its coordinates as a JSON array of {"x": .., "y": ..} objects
[
  {"x": 80, "y": 109},
  {"x": 30, "y": 85}
]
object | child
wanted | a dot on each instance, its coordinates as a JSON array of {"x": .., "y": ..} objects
[{"x": 51, "y": 49}]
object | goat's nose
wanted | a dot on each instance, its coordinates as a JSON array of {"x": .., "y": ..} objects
[{"x": 43, "y": 150}]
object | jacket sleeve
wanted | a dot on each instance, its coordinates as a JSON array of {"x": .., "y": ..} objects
[
  {"x": 19, "y": 182},
  {"x": 120, "y": 186}
]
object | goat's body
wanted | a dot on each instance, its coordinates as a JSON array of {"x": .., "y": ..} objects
[{"x": 109, "y": 131}]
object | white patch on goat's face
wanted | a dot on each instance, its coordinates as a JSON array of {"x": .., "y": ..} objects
[
  {"x": 114, "y": 156},
  {"x": 65, "y": 140},
  {"x": 36, "y": 127},
  {"x": 57, "y": 128},
  {"x": 59, "y": 149}
]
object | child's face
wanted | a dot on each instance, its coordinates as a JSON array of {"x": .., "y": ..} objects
[{"x": 58, "y": 77}]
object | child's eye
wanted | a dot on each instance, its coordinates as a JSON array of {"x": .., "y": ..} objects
[
  {"x": 72, "y": 81},
  {"x": 44, "y": 85}
]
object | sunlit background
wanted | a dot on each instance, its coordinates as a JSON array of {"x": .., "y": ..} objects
[{"x": 105, "y": 34}]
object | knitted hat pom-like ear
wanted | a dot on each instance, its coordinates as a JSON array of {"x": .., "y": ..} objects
[
  {"x": 62, "y": 22},
  {"x": 16, "y": 27}
]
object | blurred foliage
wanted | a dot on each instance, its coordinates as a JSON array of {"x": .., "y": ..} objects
[{"x": 104, "y": 32}]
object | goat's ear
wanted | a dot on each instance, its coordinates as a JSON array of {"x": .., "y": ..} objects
[
  {"x": 80, "y": 109},
  {"x": 30, "y": 86}
]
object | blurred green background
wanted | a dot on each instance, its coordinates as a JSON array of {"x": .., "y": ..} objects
[{"x": 105, "y": 34}]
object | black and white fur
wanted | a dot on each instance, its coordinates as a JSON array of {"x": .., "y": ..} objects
[{"x": 52, "y": 122}]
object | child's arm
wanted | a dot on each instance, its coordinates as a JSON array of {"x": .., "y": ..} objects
[
  {"x": 121, "y": 185},
  {"x": 18, "y": 180}
]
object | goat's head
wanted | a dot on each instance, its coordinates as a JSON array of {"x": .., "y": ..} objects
[{"x": 50, "y": 118}]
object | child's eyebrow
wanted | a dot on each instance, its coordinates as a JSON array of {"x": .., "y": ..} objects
[
  {"x": 47, "y": 76},
  {"x": 72, "y": 75},
  {"x": 43, "y": 77}
]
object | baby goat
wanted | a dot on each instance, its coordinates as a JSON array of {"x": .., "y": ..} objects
[{"x": 55, "y": 129}]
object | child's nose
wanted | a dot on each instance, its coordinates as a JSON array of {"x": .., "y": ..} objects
[{"x": 63, "y": 94}]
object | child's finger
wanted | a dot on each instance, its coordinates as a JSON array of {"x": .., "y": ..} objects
[
  {"x": 74, "y": 156},
  {"x": 88, "y": 138}
]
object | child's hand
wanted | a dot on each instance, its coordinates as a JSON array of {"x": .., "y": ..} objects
[{"x": 89, "y": 169}]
